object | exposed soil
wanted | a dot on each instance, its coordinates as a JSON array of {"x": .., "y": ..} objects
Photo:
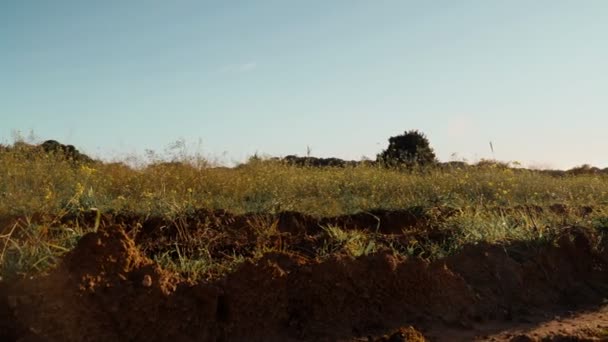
[{"x": 108, "y": 289}]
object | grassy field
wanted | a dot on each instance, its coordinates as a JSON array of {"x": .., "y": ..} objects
[
  {"x": 273, "y": 249},
  {"x": 40, "y": 188}
]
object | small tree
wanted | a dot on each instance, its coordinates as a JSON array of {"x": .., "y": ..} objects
[{"x": 411, "y": 148}]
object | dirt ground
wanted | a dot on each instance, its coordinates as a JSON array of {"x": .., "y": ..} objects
[{"x": 108, "y": 289}]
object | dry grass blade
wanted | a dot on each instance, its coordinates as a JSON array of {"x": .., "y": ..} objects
[{"x": 8, "y": 238}]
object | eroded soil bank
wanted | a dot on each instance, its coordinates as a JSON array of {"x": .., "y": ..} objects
[{"x": 106, "y": 289}]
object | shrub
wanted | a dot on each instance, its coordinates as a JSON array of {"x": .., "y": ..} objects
[{"x": 411, "y": 148}]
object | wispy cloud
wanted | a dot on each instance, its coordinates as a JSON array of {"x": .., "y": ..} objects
[{"x": 239, "y": 68}]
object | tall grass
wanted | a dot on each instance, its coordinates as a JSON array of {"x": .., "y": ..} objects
[
  {"x": 35, "y": 184},
  {"x": 42, "y": 183}
]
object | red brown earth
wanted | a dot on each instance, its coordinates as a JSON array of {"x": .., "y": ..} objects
[{"x": 108, "y": 289}]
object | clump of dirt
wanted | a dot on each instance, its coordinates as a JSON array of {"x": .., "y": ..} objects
[
  {"x": 107, "y": 258},
  {"x": 288, "y": 296},
  {"x": 345, "y": 296},
  {"x": 103, "y": 290},
  {"x": 405, "y": 334},
  {"x": 106, "y": 289}
]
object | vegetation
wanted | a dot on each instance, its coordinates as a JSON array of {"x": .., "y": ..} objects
[
  {"x": 411, "y": 148},
  {"x": 490, "y": 201},
  {"x": 52, "y": 184}
]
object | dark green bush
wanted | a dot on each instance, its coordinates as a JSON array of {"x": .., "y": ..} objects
[{"x": 409, "y": 149}]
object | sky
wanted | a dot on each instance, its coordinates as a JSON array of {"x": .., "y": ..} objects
[{"x": 275, "y": 77}]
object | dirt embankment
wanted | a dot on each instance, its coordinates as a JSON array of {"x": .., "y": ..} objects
[
  {"x": 106, "y": 289},
  {"x": 225, "y": 235}
]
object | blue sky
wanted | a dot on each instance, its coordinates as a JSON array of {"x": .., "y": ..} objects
[{"x": 233, "y": 78}]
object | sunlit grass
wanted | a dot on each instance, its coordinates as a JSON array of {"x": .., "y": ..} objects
[
  {"x": 48, "y": 187},
  {"x": 49, "y": 184}
]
